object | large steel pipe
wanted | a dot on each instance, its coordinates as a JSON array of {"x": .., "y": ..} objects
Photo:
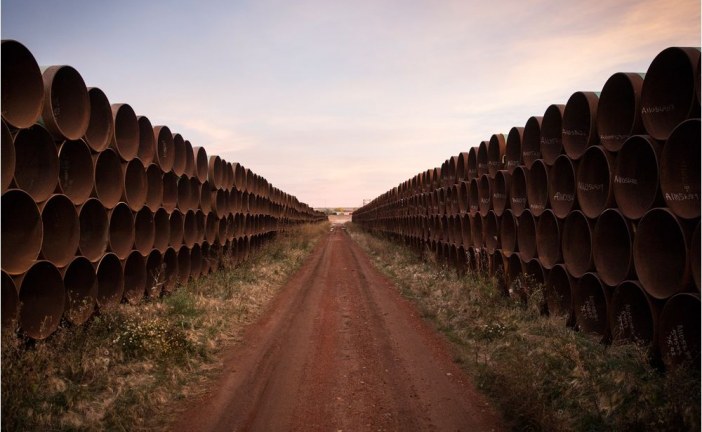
[
  {"x": 121, "y": 230},
  {"x": 526, "y": 235},
  {"x": 214, "y": 173},
  {"x": 190, "y": 168},
  {"x": 485, "y": 187},
  {"x": 196, "y": 261},
  {"x": 42, "y": 299},
  {"x": 135, "y": 277},
  {"x": 619, "y": 111},
  {"x": 154, "y": 187},
  {"x": 7, "y": 158},
  {"x": 537, "y": 187},
  {"x": 135, "y": 184},
  {"x": 595, "y": 176},
  {"x": 636, "y": 187},
  {"x": 491, "y": 232},
  {"x": 190, "y": 230},
  {"x": 108, "y": 186},
  {"x": 462, "y": 197},
  {"x": 211, "y": 227},
  {"x": 500, "y": 192},
  {"x": 61, "y": 230},
  {"x": 461, "y": 168},
  {"x": 75, "y": 177},
  {"x": 176, "y": 229},
  {"x": 482, "y": 158},
  {"x": 184, "y": 193},
  {"x": 66, "y": 110},
  {"x": 633, "y": 314},
  {"x": 513, "y": 149},
  {"x": 170, "y": 191},
  {"x": 110, "y": 277},
  {"x": 679, "y": 331},
  {"x": 9, "y": 300},
  {"x": 154, "y": 273},
  {"x": 668, "y": 92},
  {"x": 680, "y": 170},
  {"x": 126, "y": 136},
  {"x": 170, "y": 270},
  {"x": 165, "y": 156},
  {"x": 518, "y": 191},
  {"x": 36, "y": 162},
  {"x": 22, "y": 231},
  {"x": 590, "y": 302},
  {"x": 496, "y": 153},
  {"x": 531, "y": 141},
  {"x": 94, "y": 230},
  {"x": 508, "y": 233},
  {"x": 576, "y": 244},
  {"x": 561, "y": 186},
  {"x": 661, "y": 253},
  {"x": 474, "y": 194},
  {"x": 580, "y": 123},
  {"x": 162, "y": 230},
  {"x": 179, "y": 156},
  {"x": 101, "y": 124},
  {"x": 144, "y": 231},
  {"x": 22, "y": 85},
  {"x": 147, "y": 141},
  {"x": 548, "y": 239},
  {"x": 183, "y": 264},
  {"x": 612, "y": 247},
  {"x": 205, "y": 203},
  {"x": 476, "y": 230},
  {"x": 472, "y": 169},
  {"x": 551, "y": 140},
  {"x": 558, "y": 290}
]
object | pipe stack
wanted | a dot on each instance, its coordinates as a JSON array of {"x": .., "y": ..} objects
[
  {"x": 598, "y": 199},
  {"x": 100, "y": 206}
]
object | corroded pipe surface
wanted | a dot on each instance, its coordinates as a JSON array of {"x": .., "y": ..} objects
[
  {"x": 135, "y": 186},
  {"x": 531, "y": 141},
  {"x": 165, "y": 150},
  {"x": 61, "y": 229},
  {"x": 680, "y": 170},
  {"x": 537, "y": 188},
  {"x": 126, "y": 137},
  {"x": 121, "y": 230},
  {"x": 94, "y": 229},
  {"x": 36, "y": 162},
  {"x": 679, "y": 330},
  {"x": 42, "y": 299},
  {"x": 101, "y": 124},
  {"x": 551, "y": 140},
  {"x": 594, "y": 179},
  {"x": 75, "y": 175},
  {"x": 612, "y": 240},
  {"x": 7, "y": 158},
  {"x": 548, "y": 239},
  {"x": 561, "y": 186},
  {"x": 147, "y": 141},
  {"x": 108, "y": 187},
  {"x": 580, "y": 123},
  {"x": 633, "y": 314},
  {"x": 22, "y": 85},
  {"x": 591, "y": 304},
  {"x": 619, "y": 111},
  {"x": 135, "y": 277},
  {"x": 635, "y": 186},
  {"x": 526, "y": 235},
  {"x": 162, "y": 230},
  {"x": 144, "y": 231},
  {"x": 110, "y": 279},
  {"x": 22, "y": 231},
  {"x": 66, "y": 109},
  {"x": 576, "y": 244}
]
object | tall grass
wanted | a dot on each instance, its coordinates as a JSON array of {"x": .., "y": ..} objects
[
  {"x": 541, "y": 374},
  {"x": 126, "y": 368}
]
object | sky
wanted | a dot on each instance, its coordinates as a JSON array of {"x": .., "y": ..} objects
[{"x": 339, "y": 101}]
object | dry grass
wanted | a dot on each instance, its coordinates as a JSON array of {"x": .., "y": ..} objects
[
  {"x": 126, "y": 368},
  {"x": 541, "y": 374}
]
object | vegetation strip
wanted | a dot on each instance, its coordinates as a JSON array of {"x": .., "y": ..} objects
[
  {"x": 124, "y": 369},
  {"x": 541, "y": 374}
]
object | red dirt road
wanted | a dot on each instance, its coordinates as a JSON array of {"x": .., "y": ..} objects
[{"x": 340, "y": 350}]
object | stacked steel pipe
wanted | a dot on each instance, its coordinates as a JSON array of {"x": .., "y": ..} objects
[
  {"x": 598, "y": 199},
  {"x": 99, "y": 206}
]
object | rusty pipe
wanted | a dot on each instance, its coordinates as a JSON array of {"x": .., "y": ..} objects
[
  {"x": 108, "y": 186},
  {"x": 496, "y": 153},
  {"x": 66, "y": 109},
  {"x": 619, "y": 111},
  {"x": 154, "y": 273},
  {"x": 41, "y": 299},
  {"x": 183, "y": 264},
  {"x": 548, "y": 239},
  {"x": 201, "y": 164},
  {"x": 200, "y": 224},
  {"x": 94, "y": 230},
  {"x": 61, "y": 229},
  {"x": 680, "y": 170},
  {"x": 22, "y": 85},
  {"x": 485, "y": 187},
  {"x": 147, "y": 141},
  {"x": 474, "y": 194},
  {"x": 22, "y": 231},
  {"x": 612, "y": 247},
  {"x": 576, "y": 244},
  {"x": 661, "y": 251},
  {"x": 594, "y": 179},
  {"x": 551, "y": 139},
  {"x": 165, "y": 151},
  {"x": 518, "y": 191},
  {"x": 461, "y": 168},
  {"x": 144, "y": 231},
  {"x": 7, "y": 158},
  {"x": 591, "y": 305},
  {"x": 222, "y": 230},
  {"x": 214, "y": 173},
  {"x": 135, "y": 277},
  {"x": 636, "y": 186},
  {"x": 190, "y": 168},
  {"x": 162, "y": 230},
  {"x": 500, "y": 192},
  {"x": 513, "y": 149},
  {"x": 170, "y": 191},
  {"x": 154, "y": 187},
  {"x": 679, "y": 330},
  {"x": 472, "y": 168},
  {"x": 101, "y": 125},
  {"x": 508, "y": 233},
  {"x": 580, "y": 123},
  {"x": 211, "y": 227},
  {"x": 170, "y": 270},
  {"x": 176, "y": 225},
  {"x": 179, "y": 156},
  {"x": 110, "y": 279},
  {"x": 482, "y": 158},
  {"x": 75, "y": 174},
  {"x": 184, "y": 193},
  {"x": 205, "y": 203},
  {"x": 135, "y": 189},
  {"x": 512, "y": 266},
  {"x": 633, "y": 314},
  {"x": 558, "y": 291},
  {"x": 239, "y": 177},
  {"x": 476, "y": 230},
  {"x": 190, "y": 230},
  {"x": 537, "y": 187},
  {"x": 491, "y": 227},
  {"x": 668, "y": 95},
  {"x": 526, "y": 235},
  {"x": 126, "y": 137},
  {"x": 9, "y": 300},
  {"x": 561, "y": 186},
  {"x": 121, "y": 229},
  {"x": 531, "y": 141},
  {"x": 36, "y": 162}
]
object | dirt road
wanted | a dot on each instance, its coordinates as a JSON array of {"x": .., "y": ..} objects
[{"x": 340, "y": 350}]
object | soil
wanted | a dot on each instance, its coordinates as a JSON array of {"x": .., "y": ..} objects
[{"x": 340, "y": 349}]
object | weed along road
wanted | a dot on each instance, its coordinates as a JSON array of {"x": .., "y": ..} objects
[{"x": 340, "y": 349}]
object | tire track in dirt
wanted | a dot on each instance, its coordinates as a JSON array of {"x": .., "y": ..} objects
[{"x": 340, "y": 349}]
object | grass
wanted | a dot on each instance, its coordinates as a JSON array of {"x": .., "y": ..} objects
[
  {"x": 127, "y": 368},
  {"x": 542, "y": 375}
]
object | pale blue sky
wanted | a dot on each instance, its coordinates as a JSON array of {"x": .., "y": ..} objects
[{"x": 338, "y": 101}]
